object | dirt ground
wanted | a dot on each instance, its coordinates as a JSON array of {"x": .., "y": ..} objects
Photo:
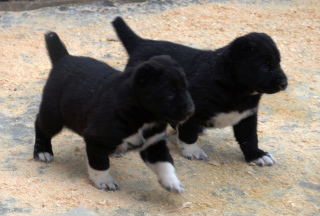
[{"x": 224, "y": 184}]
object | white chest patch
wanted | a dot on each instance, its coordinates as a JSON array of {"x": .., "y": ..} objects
[
  {"x": 222, "y": 120},
  {"x": 138, "y": 142}
]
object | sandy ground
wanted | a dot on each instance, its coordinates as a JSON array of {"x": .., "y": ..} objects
[{"x": 224, "y": 184}]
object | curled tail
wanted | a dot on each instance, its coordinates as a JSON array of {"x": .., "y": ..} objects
[
  {"x": 56, "y": 49},
  {"x": 128, "y": 38}
]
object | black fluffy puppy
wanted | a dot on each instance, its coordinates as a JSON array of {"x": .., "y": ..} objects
[
  {"x": 225, "y": 85},
  {"x": 113, "y": 111}
]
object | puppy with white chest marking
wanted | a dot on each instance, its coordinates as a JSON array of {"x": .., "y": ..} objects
[
  {"x": 114, "y": 112},
  {"x": 226, "y": 85}
]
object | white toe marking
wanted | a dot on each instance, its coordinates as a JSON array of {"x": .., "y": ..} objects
[
  {"x": 166, "y": 176},
  {"x": 102, "y": 179},
  {"x": 45, "y": 156},
  {"x": 192, "y": 151},
  {"x": 266, "y": 160}
]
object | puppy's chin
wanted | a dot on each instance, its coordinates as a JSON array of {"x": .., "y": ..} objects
[
  {"x": 272, "y": 91},
  {"x": 177, "y": 121},
  {"x": 269, "y": 89},
  {"x": 272, "y": 86}
]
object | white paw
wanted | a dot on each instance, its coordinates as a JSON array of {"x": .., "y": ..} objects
[
  {"x": 192, "y": 151},
  {"x": 102, "y": 179},
  {"x": 171, "y": 183},
  {"x": 266, "y": 160},
  {"x": 166, "y": 176},
  {"x": 45, "y": 157}
]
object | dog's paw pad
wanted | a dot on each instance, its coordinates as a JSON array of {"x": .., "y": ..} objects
[
  {"x": 45, "y": 157},
  {"x": 192, "y": 152},
  {"x": 171, "y": 183},
  {"x": 266, "y": 160}
]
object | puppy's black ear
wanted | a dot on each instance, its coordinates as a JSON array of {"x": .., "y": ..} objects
[
  {"x": 145, "y": 74},
  {"x": 243, "y": 46}
]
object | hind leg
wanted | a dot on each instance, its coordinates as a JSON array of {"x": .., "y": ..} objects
[{"x": 46, "y": 126}]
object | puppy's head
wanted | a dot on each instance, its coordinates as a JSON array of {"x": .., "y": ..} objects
[
  {"x": 161, "y": 86},
  {"x": 255, "y": 61}
]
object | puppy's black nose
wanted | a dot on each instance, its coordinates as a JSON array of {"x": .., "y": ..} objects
[
  {"x": 189, "y": 112},
  {"x": 283, "y": 84}
]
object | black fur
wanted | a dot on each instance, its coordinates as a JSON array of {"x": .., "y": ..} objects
[
  {"x": 105, "y": 106},
  {"x": 229, "y": 79}
]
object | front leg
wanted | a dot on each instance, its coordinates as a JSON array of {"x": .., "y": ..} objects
[
  {"x": 98, "y": 166},
  {"x": 187, "y": 137},
  {"x": 246, "y": 135},
  {"x": 159, "y": 160}
]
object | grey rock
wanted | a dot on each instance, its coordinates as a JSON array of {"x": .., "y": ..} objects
[{"x": 308, "y": 185}]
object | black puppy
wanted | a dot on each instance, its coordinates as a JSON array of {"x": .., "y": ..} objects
[
  {"x": 225, "y": 85},
  {"x": 113, "y": 111}
]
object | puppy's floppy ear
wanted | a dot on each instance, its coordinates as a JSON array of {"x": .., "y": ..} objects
[
  {"x": 243, "y": 46},
  {"x": 239, "y": 49},
  {"x": 144, "y": 75}
]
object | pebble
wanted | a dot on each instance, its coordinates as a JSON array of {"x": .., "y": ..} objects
[
  {"x": 112, "y": 37},
  {"x": 306, "y": 170}
]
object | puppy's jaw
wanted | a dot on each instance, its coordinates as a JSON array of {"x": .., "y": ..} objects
[
  {"x": 272, "y": 84},
  {"x": 166, "y": 176},
  {"x": 182, "y": 115},
  {"x": 102, "y": 179},
  {"x": 178, "y": 122}
]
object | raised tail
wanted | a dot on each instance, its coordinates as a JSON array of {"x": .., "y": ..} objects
[
  {"x": 56, "y": 48},
  {"x": 128, "y": 38}
]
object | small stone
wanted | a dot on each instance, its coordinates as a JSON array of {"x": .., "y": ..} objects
[
  {"x": 17, "y": 88},
  {"x": 103, "y": 202},
  {"x": 290, "y": 77},
  {"x": 214, "y": 163},
  {"x": 252, "y": 164},
  {"x": 112, "y": 37},
  {"x": 306, "y": 171}
]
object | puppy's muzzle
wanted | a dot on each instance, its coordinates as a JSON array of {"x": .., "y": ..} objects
[
  {"x": 283, "y": 83},
  {"x": 189, "y": 112}
]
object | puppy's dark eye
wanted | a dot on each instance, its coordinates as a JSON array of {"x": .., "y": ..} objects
[
  {"x": 264, "y": 67},
  {"x": 174, "y": 90}
]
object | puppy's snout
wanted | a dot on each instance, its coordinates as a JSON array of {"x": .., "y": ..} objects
[
  {"x": 189, "y": 110},
  {"x": 283, "y": 83}
]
